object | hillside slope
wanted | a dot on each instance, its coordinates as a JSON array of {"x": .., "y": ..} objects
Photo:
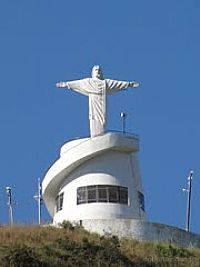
[{"x": 34, "y": 246}]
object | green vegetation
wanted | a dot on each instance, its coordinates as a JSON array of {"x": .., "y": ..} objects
[{"x": 34, "y": 246}]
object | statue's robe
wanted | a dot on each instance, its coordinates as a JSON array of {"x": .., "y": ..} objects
[{"x": 97, "y": 91}]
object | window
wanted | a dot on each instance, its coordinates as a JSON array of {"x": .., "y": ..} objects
[
  {"x": 123, "y": 195},
  {"x": 102, "y": 193},
  {"x": 81, "y": 195},
  {"x": 92, "y": 194},
  {"x": 59, "y": 202},
  {"x": 141, "y": 200},
  {"x": 114, "y": 194}
]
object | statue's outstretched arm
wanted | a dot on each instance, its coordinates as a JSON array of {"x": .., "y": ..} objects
[
  {"x": 80, "y": 86},
  {"x": 115, "y": 86},
  {"x": 61, "y": 84}
]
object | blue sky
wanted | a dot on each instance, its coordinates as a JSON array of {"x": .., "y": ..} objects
[{"x": 153, "y": 42}]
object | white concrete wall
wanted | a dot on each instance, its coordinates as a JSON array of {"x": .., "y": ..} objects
[
  {"x": 110, "y": 168},
  {"x": 142, "y": 230}
]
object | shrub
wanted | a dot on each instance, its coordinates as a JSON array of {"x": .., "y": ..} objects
[{"x": 22, "y": 257}]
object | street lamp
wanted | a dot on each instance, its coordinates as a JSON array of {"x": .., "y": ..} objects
[
  {"x": 123, "y": 118},
  {"x": 189, "y": 194},
  {"x": 38, "y": 198},
  {"x": 9, "y": 203}
]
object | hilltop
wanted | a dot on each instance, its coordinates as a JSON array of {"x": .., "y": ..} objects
[{"x": 34, "y": 246}]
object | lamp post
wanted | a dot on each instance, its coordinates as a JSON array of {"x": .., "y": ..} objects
[
  {"x": 189, "y": 194},
  {"x": 9, "y": 203},
  {"x": 123, "y": 119},
  {"x": 38, "y": 198}
]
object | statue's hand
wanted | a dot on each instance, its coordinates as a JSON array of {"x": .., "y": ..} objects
[
  {"x": 134, "y": 84},
  {"x": 60, "y": 84}
]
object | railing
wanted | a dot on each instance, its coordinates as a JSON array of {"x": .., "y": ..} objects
[
  {"x": 124, "y": 133},
  {"x": 136, "y": 136}
]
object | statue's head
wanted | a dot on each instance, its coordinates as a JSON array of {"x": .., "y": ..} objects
[{"x": 97, "y": 72}]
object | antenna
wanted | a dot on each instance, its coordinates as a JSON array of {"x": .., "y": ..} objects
[
  {"x": 9, "y": 203},
  {"x": 188, "y": 207},
  {"x": 123, "y": 120},
  {"x": 38, "y": 198}
]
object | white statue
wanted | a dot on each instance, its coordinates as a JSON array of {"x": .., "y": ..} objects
[{"x": 97, "y": 89}]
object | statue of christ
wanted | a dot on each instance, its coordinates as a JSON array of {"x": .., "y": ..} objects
[{"x": 97, "y": 88}]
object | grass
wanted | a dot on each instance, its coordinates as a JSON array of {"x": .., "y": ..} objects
[{"x": 34, "y": 246}]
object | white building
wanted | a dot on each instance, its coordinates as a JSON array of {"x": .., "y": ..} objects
[
  {"x": 95, "y": 179},
  {"x": 96, "y": 183}
]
